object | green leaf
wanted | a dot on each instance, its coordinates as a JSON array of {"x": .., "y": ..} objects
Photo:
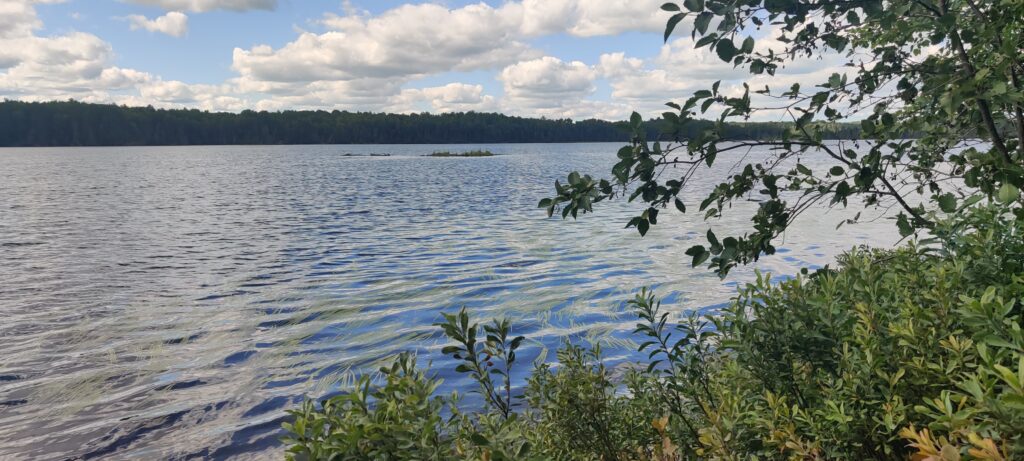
[
  {"x": 835, "y": 81},
  {"x": 748, "y": 45},
  {"x": 694, "y": 5},
  {"x": 947, "y": 202},
  {"x": 643, "y": 226},
  {"x": 1007, "y": 193},
  {"x": 836, "y": 171},
  {"x": 867, "y": 126},
  {"x": 702, "y": 22},
  {"x": 635, "y": 120},
  {"x": 701, "y": 94},
  {"x": 904, "y": 225},
  {"x": 710, "y": 158},
  {"x": 712, "y": 238},
  {"x": 699, "y": 254},
  {"x": 680, "y": 206},
  {"x": 726, "y": 50},
  {"x": 671, "y": 24},
  {"x": 705, "y": 105},
  {"x": 670, "y": 7}
]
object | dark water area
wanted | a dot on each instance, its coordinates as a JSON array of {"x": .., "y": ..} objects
[{"x": 173, "y": 302}]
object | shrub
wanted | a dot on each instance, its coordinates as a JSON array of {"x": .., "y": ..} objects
[
  {"x": 398, "y": 420},
  {"x": 916, "y": 352}
]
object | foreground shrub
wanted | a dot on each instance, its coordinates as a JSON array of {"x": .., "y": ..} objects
[
  {"x": 914, "y": 353},
  {"x": 375, "y": 421}
]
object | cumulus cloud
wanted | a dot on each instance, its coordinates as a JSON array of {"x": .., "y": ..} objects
[
  {"x": 173, "y": 93},
  {"x": 17, "y": 18},
  {"x": 407, "y": 41},
  {"x": 50, "y": 63},
  {"x": 416, "y": 40},
  {"x": 358, "y": 60},
  {"x": 611, "y": 17},
  {"x": 357, "y": 95},
  {"x": 547, "y": 77},
  {"x": 34, "y": 67},
  {"x": 586, "y": 18},
  {"x": 453, "y": 97},
  {"x": 202, "y": 6},
  {"x": 546, "y": 85},
  {"x": 78, "y": 65},
  {"x": 174, "y": 23}
]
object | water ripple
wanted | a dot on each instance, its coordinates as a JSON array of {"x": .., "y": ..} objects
[{"x": 172, "y": 302}]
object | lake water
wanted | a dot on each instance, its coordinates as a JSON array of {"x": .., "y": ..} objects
[{"x": 173, "y": 302}]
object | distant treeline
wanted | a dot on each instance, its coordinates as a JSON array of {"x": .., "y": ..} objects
[{"x": 71, "y": 123}]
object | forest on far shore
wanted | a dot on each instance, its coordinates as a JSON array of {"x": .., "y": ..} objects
[{"x": 72, "y": 123}]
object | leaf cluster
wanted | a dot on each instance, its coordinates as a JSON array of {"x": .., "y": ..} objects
[
  {"x": 936, "y": 86},
  {"x": 916, "y": 352}
]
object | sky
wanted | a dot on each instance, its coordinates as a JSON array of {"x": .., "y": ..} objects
[{"x": 539, "y": 58}]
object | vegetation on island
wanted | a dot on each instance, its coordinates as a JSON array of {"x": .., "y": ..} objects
[
  {"x": 472, "y": 153},
  {"x": 911, "y": 353},
  {"x": 71, "y": 123}
]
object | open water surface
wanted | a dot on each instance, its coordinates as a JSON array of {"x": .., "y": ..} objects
[{"x": 173, "y": 302}]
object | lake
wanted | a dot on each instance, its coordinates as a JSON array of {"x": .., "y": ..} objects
[{"x": 173, "y": 302}]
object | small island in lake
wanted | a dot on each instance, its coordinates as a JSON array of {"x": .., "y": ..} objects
[{"x": 472, "y": 153}]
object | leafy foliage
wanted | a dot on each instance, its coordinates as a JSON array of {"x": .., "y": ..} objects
[
  {"x": 916, "y": 352},
  {"x": 484, "y": 360},
  {"x": 579, "y": 416},
  {"x": 910, "y": 353},
  {"x": 400, "y": 419},
  {"x": 945, "y": 72}
]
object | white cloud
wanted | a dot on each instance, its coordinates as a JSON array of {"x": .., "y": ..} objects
[
  {"x": 18, "y": 17},
  {"x": 363, "y": 61},
  {"x": 51, "y": 63},
  {"x": 407, "y": 41},
  {"x": 172, "y": 93},
  {"x": 79, "y": 65},
  {"x": 453, "y": 97},
  {"x": 618, "y": 65},
  {"x": 586, "y": 18},
  {"x": 416, "y": 40},
  {"x": 611, "y": 17},
  {"x": 202, "y": 6},
  {"x": 547, "y": 77},
  {"x": 547, "y": 85},
  {"x": 76, "y": 64},
  {"x": 174, "y": 23}
]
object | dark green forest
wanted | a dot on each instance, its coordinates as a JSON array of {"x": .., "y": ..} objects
[{"x": 72, "y": 123}]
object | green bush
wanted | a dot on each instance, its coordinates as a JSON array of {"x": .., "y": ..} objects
[
  {"x": 912, "y": 353},
  {"x": 399, "y": 419}
]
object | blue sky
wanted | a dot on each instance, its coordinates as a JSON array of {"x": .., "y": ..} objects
[{"x": 555, "y": 58}]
